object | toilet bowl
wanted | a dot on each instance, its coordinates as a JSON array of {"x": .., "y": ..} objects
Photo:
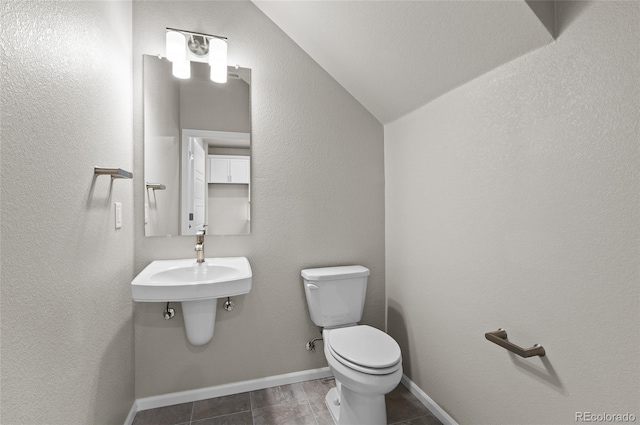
[{"x": 366, "y": 362}]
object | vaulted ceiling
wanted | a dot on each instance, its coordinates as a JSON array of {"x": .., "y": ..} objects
[{"x": 395, "y": 56}]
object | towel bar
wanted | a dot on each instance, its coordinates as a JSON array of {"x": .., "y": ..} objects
[
  {"x": 500, "y": 337},
  {"x": 156, "y": 186},
  {"x": 115, "y": 173}
]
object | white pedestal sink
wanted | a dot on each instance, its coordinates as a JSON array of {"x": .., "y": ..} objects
[{"x": 197, "y": 286}]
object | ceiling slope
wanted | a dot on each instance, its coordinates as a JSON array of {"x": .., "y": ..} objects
[{"x": 395, "y": 56}]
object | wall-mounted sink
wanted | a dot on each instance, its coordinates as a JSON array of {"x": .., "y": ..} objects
[
  {"x": 197, "y": 286},
  {"x": 186, "y": 280}
]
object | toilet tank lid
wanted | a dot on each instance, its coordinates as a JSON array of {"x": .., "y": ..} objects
[{"x": 335, "y": 273}]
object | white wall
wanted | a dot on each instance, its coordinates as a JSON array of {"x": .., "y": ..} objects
[
  {"x": 317, "y": 200},
  {"x": 512, "y": 202},
  {"x": 67, "y": 331}
]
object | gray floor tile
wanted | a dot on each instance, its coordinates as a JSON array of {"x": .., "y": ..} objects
[
  {"x": 277, "y": 395},
  {"x": 170, "y": 415},
  {"x": 284, "y": 414},
  {"x": 242, "y": 418},
  {"x": 321, "y": 411},
  {"x": 402, "y": 406},
  {"x": 295, "y": 404},
  {"x": 221, "y": 406},
  {"x": 318, "y": 387}
]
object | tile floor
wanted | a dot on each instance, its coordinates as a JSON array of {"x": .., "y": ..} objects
[{"x": 295, "y": 404}]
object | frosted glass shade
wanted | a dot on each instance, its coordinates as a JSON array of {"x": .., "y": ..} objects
[
  {"x": 176, "y": 50},
  {"x": 218, "y": 60}
]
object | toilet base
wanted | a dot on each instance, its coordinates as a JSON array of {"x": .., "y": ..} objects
[
  {"x": 351, "y": 408},
  {"x": 332, "y": 400}
]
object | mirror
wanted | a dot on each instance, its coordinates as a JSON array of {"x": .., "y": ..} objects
[{"x": 197, "y": 151}]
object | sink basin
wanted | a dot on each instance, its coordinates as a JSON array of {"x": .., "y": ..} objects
[
  {"x": 196, "y": 286},
  {"x": 186, "y": 280}
]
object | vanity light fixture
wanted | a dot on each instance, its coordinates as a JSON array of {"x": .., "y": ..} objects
[
  {"x": 184, "y": 47},
  {"x": 218, "y": 60}
]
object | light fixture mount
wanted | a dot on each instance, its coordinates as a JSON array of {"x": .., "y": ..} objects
[
  {"x": 198, "y": 44},
  {"x": 185, "y": 46}
]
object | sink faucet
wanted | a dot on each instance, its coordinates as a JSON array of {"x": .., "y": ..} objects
[{"x": 200, "y": 246}]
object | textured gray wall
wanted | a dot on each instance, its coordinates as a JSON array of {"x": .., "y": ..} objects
[
  {"x": 67, "y": 331},
  {"x": 512, "y": 202},
  {"x": 317, "y": 199}
]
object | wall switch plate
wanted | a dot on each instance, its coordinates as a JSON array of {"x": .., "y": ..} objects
[{"x": 118, "y": 210}]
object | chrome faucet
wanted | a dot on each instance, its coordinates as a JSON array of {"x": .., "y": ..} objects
[{"x": 200, "y": 246}]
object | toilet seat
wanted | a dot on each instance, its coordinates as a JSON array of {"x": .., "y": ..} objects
[
  {"x": 362, "y": 369},
  {"x": 364, "y": 349}
]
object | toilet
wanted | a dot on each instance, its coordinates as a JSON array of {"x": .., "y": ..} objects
[{"x": 366, "y": 362}]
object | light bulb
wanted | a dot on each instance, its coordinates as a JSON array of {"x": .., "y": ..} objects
[
  {"x": 176, "y": 46},
  {"x": 218, "y": 60}
]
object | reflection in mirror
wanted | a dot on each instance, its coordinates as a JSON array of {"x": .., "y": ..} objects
[{"x": 197, "y": 151}]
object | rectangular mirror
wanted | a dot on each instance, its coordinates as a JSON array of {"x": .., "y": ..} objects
[{"x": 197, "y": 151}]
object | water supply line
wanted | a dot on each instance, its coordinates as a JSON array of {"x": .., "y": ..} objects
[
  {"x": 168, "y": 312},
  {"x": 228, "y": 304},
  {"x": 311, "y": 345}
]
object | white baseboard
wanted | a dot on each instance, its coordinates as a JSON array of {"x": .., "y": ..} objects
[
  {"x": 267, "y": 382},
  {"x": 437, "y": 411},
  {"x": 228, "y": 389},
  {"x": 132, "y": 414}
]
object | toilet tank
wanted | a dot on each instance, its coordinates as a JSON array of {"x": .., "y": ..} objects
[{"x": 335, "y": 295}]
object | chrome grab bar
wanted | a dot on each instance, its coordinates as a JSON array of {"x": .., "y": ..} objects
[{"x": 500, "y": 337}]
